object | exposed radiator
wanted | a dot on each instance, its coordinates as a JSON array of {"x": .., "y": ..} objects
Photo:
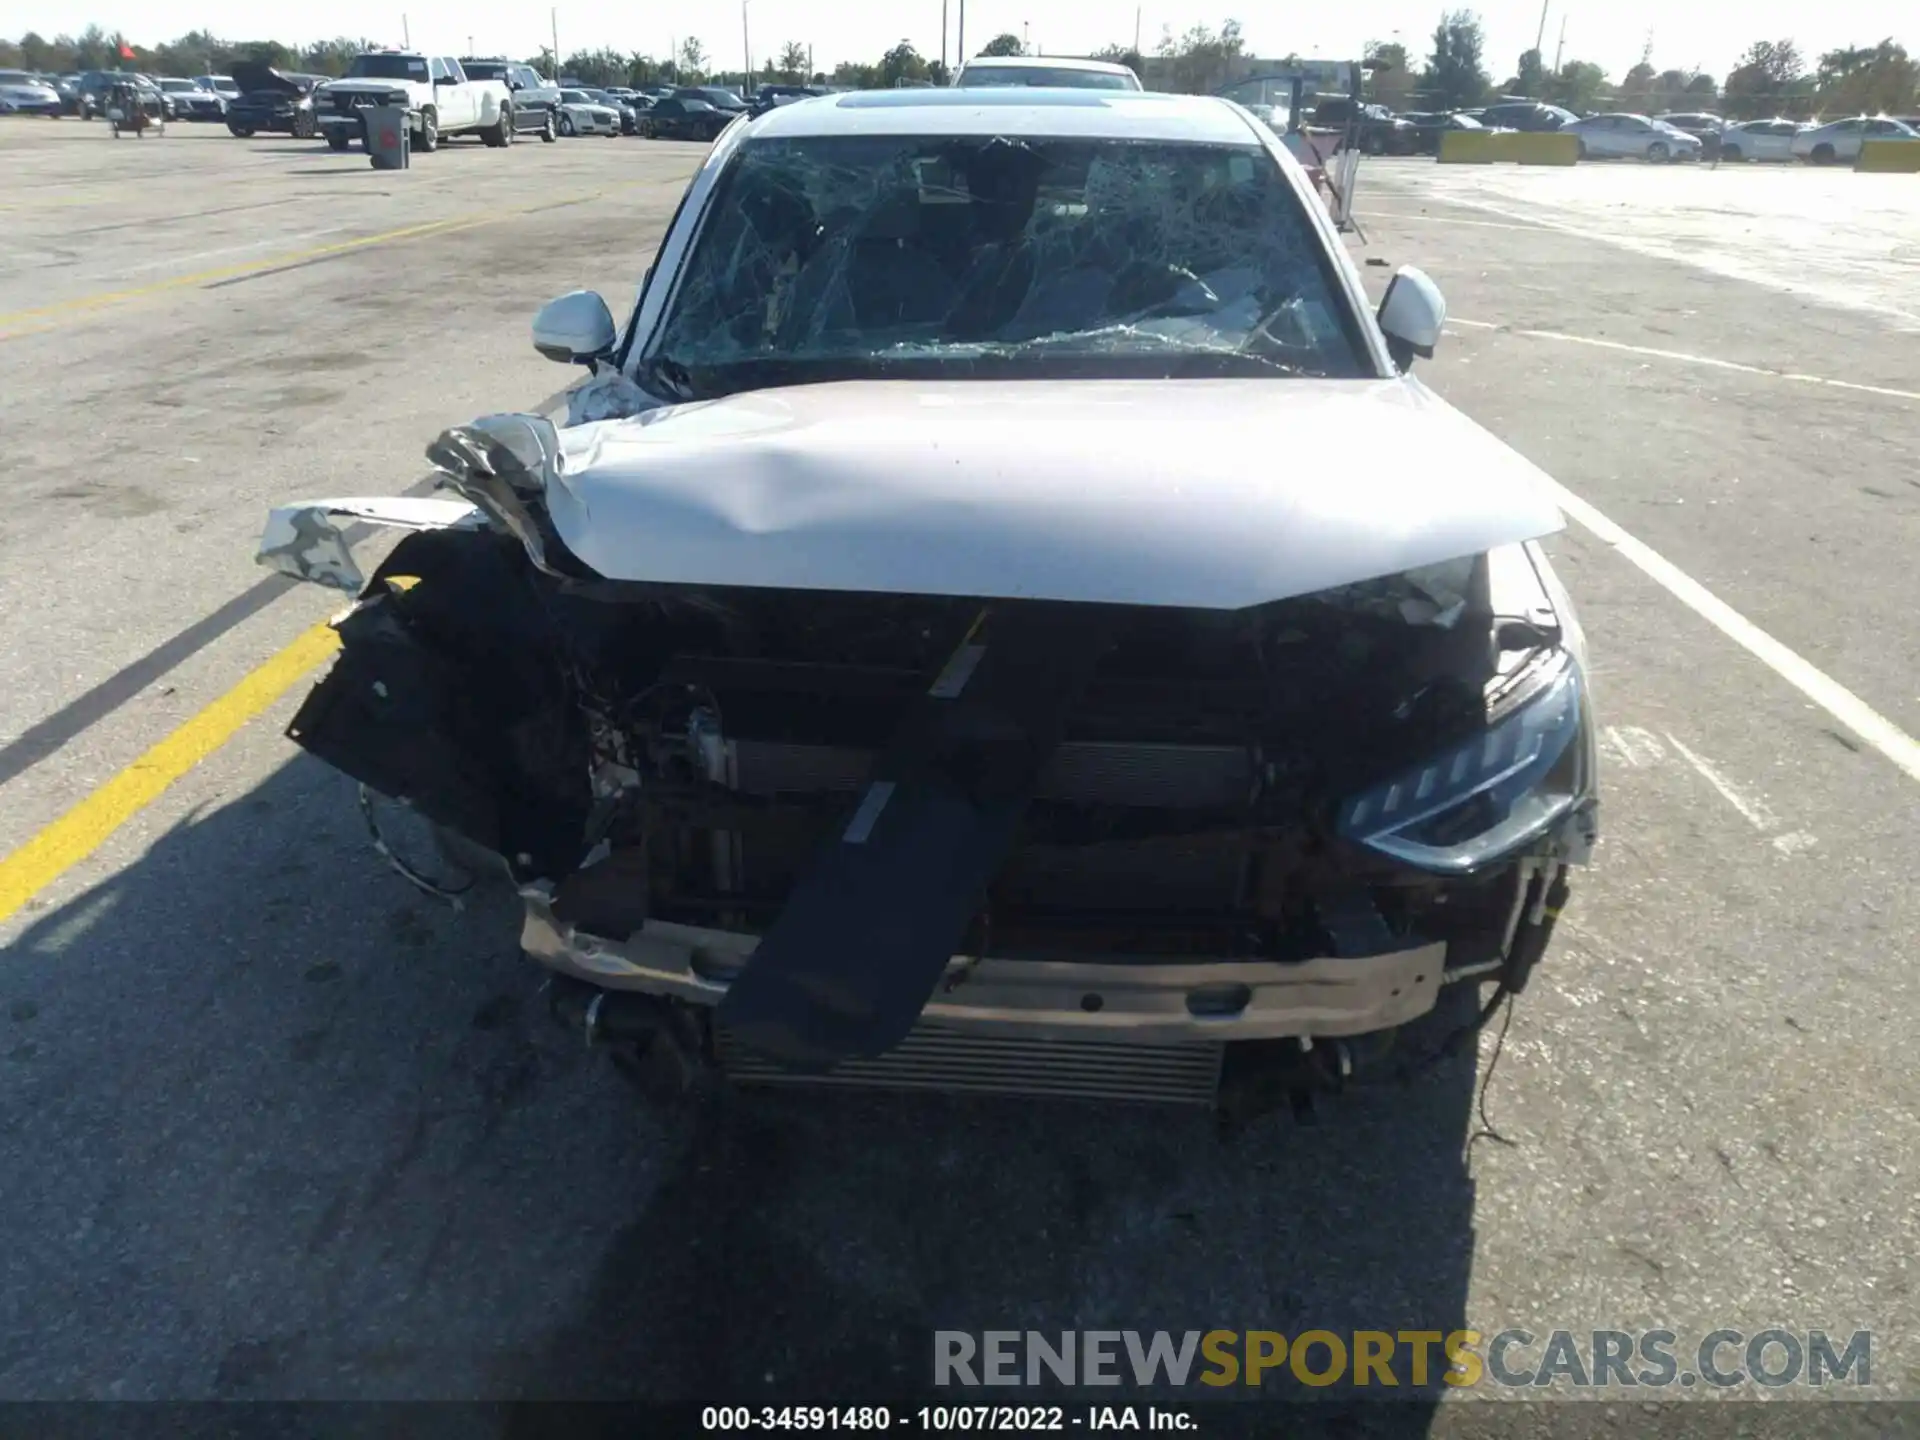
[{"x": 937, "y": 1058}]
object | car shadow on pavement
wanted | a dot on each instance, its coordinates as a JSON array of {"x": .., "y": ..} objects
[{"x": 281, "y": 1127}]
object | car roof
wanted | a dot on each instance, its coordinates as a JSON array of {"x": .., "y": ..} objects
[
  {"x": 1096, "y": 114},
  {"x": 1048, "y": 62}
]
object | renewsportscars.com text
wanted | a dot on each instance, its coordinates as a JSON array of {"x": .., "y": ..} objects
[{"x": 1570, "y": 1359}]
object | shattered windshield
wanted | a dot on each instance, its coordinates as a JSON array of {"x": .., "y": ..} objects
[{"x": 845, "y": 257}]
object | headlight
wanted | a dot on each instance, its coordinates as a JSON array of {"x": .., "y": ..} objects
[{"x": 1485, "y": 797}]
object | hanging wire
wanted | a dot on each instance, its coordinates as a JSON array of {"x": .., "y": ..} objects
[
  {"x": 452, "y": 895},
  {"x": 1487, "y": 1130}
]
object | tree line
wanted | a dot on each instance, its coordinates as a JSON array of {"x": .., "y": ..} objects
[{"x": 1770, "y": 77}]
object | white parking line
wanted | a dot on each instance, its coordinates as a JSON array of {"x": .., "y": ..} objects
[
  {"x": 1682, "y": 251},
  {"x": 1684, "y": 358},
  {"x": 1754, "y": 811},
  {"x": 1847, "y": 708}
]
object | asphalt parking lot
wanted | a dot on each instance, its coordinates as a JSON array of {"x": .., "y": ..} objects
[{"x": 276, "y": 1126}]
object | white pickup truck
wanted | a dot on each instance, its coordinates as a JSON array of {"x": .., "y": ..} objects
[{"x": 441, "y": 100}]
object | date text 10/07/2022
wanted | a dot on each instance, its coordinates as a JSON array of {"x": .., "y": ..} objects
[{"x": 1006, "y": 1419}]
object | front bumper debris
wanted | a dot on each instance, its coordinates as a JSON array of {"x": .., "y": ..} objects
[{"x": 1138, "y": 1003}]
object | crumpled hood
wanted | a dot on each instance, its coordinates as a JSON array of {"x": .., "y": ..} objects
[{"x": 1212, "y": 494}]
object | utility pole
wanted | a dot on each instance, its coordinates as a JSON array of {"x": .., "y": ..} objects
[
  {"x": 943, "y": 37},
  {"x": 1540, "y": 39},
  {"x": 406, "y": 35},
  {"x": 960, "y": 52},
  {"x": 1136, "y": 29},
  {"x": 1561, "y": 48},
  {"x": 553, "y": 19},
  {"x": 1024, "y": 47},
  {"x": 746, "y": 48}
]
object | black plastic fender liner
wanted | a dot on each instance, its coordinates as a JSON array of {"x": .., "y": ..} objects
[
  {"x": 447, "y": 696},
  {"x": 849, "y": 964}
]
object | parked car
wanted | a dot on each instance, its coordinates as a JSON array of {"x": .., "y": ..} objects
[
  {"x": 22, "y": 93},
  {"x": 581, "y": 114},
  {"x": 221, "y": 85},
  {"x": 272, "y": 101},
  {"x": 536, "y": 104},
  {"x": 887, "y": 689},
  {"x": 629, "y": 115},
  {"x": 677, "y": 118},
  {"x": 1428, "y": 126},
  {"x": 188, "y": 101},
  {"x": 1531, "y": 116},
  {"x": 769, "y": 96},
  {"x": 1381, "y": 132},
  {"x": 1759, "y": 140},
  {"x": 1698, "y": 123},
  {"x": 718, "y": 96},
  {"x": 1049, "y": 72},
  {"x": 1840, "y": 140},
  {"x": 1622, "y": 136}
]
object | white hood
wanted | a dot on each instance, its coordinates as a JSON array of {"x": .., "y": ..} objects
[{"x": 1212, "y": 494}]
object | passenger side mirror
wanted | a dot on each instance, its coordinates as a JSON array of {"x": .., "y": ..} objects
[
  {"x": 575, "y": 329},
  {"x": 1411, "y": 314}
]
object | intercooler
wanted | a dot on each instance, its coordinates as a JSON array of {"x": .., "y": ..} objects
[
  {"x": 934, "y": 1057},
  {"x": 1159, "y": 776}
]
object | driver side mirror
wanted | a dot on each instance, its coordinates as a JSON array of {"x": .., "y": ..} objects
[
  {"x": 576, "y": 329},
  {"x": 1411, "y": 315}
]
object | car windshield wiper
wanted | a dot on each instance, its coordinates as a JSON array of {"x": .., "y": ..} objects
[{"x": 1096, "y": 340}]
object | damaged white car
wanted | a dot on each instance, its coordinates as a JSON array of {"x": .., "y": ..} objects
[{"x": 1004, "y": 619}]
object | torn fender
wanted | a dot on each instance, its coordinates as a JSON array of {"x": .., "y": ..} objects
[{"x": 308, "y": 541}]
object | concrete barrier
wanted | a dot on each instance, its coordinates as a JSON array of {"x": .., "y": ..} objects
[
  {"x": 1549, "y": 149},
  {"x": 1482, "y": 147},
  {"x": 1889, "y": 157},
  {"x": 1466, "y": 147}
]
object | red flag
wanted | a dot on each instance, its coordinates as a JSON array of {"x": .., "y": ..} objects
[{"x": 126, "y": 51}]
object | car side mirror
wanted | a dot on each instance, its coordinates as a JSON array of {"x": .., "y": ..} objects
[
  {"x": 575, "y": 329},
  {"x": 1411, "y": 315}
]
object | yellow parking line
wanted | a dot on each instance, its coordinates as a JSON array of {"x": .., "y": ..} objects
[
  {"x": 86, "y": 827},
  {"x": 35, "y": 321},
  {"x": 84, "y": 303}
]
